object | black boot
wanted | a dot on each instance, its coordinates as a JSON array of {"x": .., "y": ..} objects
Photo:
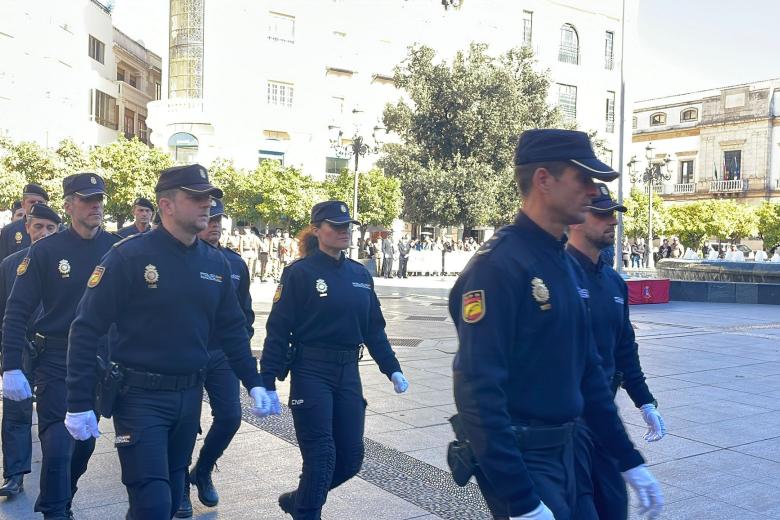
[
  {"x": 12, "y": 486},
  {"x": 207, "y": 493},
  {"x": 185, "y": 507},
  {"x": 287, "y": 502}
]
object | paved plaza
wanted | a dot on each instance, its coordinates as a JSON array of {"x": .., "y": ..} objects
[{"x": 713, "y": 368}]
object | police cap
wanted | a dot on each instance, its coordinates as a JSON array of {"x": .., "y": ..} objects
[
  {"x": 45, "y": 212},
  {"x": 35, "y": 189},
  {"x": 16, "y": 205},
  {"x": 603, "y": 202},
  {"x": 548, "y": 145},
  {"x": 333, "y": 212},
  {"x": 217, "y": 208},
  {"x": 83, "y": 185},
  {"x": 144, "y": 203},
  {"x": 192, "y": 177}
]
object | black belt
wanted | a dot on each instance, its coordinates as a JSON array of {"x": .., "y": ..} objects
[
  {"x": 340, "y": 357},
  {"x": 537, "y": 437},
  {"x": 49, "y": 342},
  {"x": 152, "y": 381}
]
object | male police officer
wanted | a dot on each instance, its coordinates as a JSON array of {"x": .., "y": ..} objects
[
  {"x": 54, "y": 275},
  {"x": 13, "y": 237},
  {"x": 178, "y": 287},
  {"x": 41, "y": 222},
  {"x": 526, "y": 367},
  {"x": 221, "y": 384},
  {"x": 600, "y": 488},
  {"x": 143, "y": 209}
]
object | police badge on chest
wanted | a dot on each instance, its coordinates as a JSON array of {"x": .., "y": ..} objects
[{"x": 321, "y": 287}]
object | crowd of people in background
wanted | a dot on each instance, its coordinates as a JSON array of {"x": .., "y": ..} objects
[{"x": 266, "y": 254}]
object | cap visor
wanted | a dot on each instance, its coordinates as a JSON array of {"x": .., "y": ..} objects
[
  {"x": 220, "y": 214},
  {"x": 203, "y": 188},
  {"x": 341, "y": 222},
  {"x": 89, "y": 192},
  {"x": 596, "y": 169},
  {"x": 606, "y": 207}
]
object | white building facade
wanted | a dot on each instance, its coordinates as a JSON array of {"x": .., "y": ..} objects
[{"x": 283, "y": 80}]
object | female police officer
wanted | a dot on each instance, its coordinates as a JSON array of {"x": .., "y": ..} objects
[{"x": 325, "y": 310}]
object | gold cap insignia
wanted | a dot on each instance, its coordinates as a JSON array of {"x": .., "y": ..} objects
[
  {"x": 278, "y": 293},
  {"x": 64, "y": 268},
  {"x": 18, "y": 237},
  {"x": 96, "y": 276},
  {"x": 541, "y": 293},
  {"x": 22, "y": 267},
  {"x": 151, "y": 276},
  {"x": 321, "y": 287},
  {"x": 473, "y": 306}
]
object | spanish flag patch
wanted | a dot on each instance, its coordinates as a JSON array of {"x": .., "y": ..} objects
[
  {"x": 473, "y": 306},
  {"x": 278, "y": 293},
  {"x": 96, "y": 276}
]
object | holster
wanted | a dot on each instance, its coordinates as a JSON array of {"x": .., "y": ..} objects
[
  {"x": 616, "y": 381},
  {"x": 460, "y": 457},
  {"x": 292, "y": 354},
  {"x": 110, "y": 382}
]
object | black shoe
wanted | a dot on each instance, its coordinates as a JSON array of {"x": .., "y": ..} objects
[
  {"x": 12, "y": 486},
  {"x": 287, "y": 502},
  {"x": 185, "y": 508},
  {"x": 207, "y": 494}
]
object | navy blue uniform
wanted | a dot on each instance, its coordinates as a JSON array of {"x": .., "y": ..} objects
[
  {"x": 17, "y": 415},
  {"x": 13, "y": 238},
  {"x": 327, "y": 307},
  {"x": 601, "y": 489},
  {"x": 167, "y": 301},
  {"x": 131, "y": 230},
  {"x": 54, "y": 276},
  {"x": 526, "y": 365}
]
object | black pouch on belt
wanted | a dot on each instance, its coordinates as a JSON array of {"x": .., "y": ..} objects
[
  {"x": 460, "y": 457},
  {"x": 110, "y": 381}
]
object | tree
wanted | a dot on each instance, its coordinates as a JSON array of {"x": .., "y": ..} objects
[
  {"x": 27, "y": 162},
  {"x": 692, "y": 223},
  {"x": 768, "y": 223},
  {"x": 459, "y": 130},
  {"x": 130, "y": 169},
  {"x": 635, "y": 217},
  {"x": 733, "y": 221},
  {"x": 379, "y": 197}
]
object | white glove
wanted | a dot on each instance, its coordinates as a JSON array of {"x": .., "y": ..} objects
[
  {"x": 646, "y": 487},
  {"x": 656, "y": 429},
  {"x": 262, "y": 405},
  {"x": 15, "y": 386},
  {"x": 542, "y": 512},
  {"x": 82, "y": 425},
  {"x": 400, "y": 384},
  {"x": 276, "y": 406}
]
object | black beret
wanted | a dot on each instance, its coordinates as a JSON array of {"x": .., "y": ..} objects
[
  {"x": 44, "y": 211},
  {"x": 35, "y": 189},
  {"x": 143, "y": 202}
]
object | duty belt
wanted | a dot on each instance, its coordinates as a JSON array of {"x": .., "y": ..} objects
[
  {"x": 152, "y": 381},
  {"x": 49, "y": 342},
  {"x": 339, "y": 357},
  {"x": 539, "y": 437}
]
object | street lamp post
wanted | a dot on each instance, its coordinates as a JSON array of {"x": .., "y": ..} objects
[{"x": 652, "y": 174}]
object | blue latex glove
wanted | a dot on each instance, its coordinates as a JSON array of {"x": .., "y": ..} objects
[
  {"x": 400, "y": 384},
  {"x": 262, "y": 406},
  {"x": 82, "y": 425},
  {"x": 15, "y": 386},
  {"x": 276, "y": 406}
]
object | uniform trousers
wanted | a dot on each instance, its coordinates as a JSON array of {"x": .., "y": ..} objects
[
  {"x": 155, "y": 435},
  {"x": 328, "y": 409},
  {"x": 64, "y": 459},
  {"x": 263, "y": 265},
  {"x": 601, "y": 490},
  {"x": 16, "y": 434},
  {"x": 552, "y": 472}
]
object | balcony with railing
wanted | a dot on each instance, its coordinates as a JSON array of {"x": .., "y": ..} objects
[
  {"x": 568, "y": 53},
  {"x": 730, "y": 186},
  {"x": 685, "y": 188}
]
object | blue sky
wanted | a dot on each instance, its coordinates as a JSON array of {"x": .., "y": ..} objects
[{"x": 683, "y": 45}]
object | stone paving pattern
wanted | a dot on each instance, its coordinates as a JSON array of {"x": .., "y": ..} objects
[{"x": 713, "y": 368}]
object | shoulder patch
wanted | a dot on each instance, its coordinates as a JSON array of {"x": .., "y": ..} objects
[
  {"x": 473, "y": 306},
  {"x": 22, "y": 267},
  {"x": 126, "y": 239},
  {"x": 278, "y": 292},
  {"x": 96, "y": 276}
]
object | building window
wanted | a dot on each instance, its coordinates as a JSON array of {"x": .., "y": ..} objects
[
  {"x": 280, "y": 94},
  {"x": 334, "y": 165},
  {"x": 634, "y": 122},
  {"x": 567, "y": 101},
  {"x": 528, "y": 28},
  {"x": 609, "y": 50},
  {"x": 732, "y": 165},
  {"x": 690, "y": 114},
  {"x": 104, "y": 110},
  {"x": 658, "y": 119},
  {"x": 97, "y": 49},
  {"x": 270, "y": 155},
  {"x": 185, "y": 52},
  {"x": 686, "y": 172},
  {"x": 120, "y": 74},
  {"x": 183, "y": 147},
  {"x": 143, "y": 131},
  {"x": 157, "y": 90},
  {"x": 281, "y": 28},
  {"x": 569, "y": 51},
  {"x": 610, "y": 116},
  {"x": 129, "y": 123}
]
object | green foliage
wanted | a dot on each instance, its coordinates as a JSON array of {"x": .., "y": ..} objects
[
  {"x": 692, "y": 223},
  {"x": 459, "y": 131},
  {"x": 635, "y": 217},
  {"x": 379, "y": 196},
  {"x": 733, "y": 221},
  {"x": 130, "y": 169},
  {"x": 768, "y": 223}
]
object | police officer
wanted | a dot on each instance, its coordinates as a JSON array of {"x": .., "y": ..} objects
[
  {"x": 221, "y": 384},
  {"x": 14, "y": 237},
  {"x": 601, "y": 491},
  {"x": 53, "y": 275},
  {"x": 168, "y": 293},
  {"x": 17, "y": 211},
  {"x": 326, "y": 307},
  {"x": 42, "y": 221},
  {"x": 143, "y": 209},
  {"x": 526, "y": 366}
]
